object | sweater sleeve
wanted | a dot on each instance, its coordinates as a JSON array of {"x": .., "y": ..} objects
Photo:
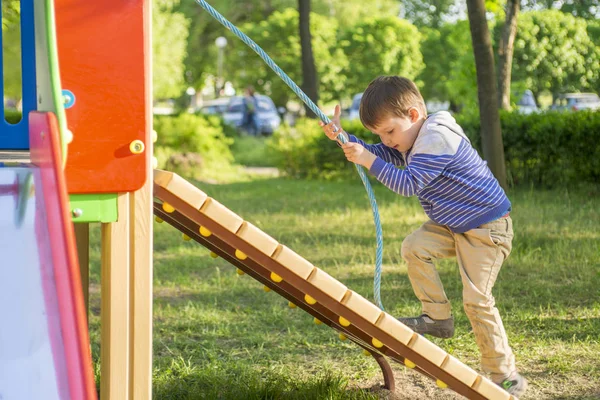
[
  {"x": 421, "y": 171},
  {"x": 387, "y": 154}
]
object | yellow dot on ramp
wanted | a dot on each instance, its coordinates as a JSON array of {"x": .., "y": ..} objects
[
  {"x": 241, "y": 255},
  {"x": 275, "y": 277}
]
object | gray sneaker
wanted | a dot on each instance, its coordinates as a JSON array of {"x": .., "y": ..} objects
[
  {"x": 442, "y": 328},
  {"x": 515, "y": 385}
]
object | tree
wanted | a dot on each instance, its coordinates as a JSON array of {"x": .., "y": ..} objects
[
  {"x": 586, "y": 9},
  {"x": 169, "y": 39},
  {"x": 554, "y": 52},
  {"x": 309, "y": 71},
  {"x": 204, "y": 29},
  {"x": 450, "y": 65},
  {"x": 278, "y": 37},
  {"x": 505, "y": 52},
  {"x": 491, "y": 134},
  {"x": 380, "y": 46},
  {"x": 427, "y": 13}
]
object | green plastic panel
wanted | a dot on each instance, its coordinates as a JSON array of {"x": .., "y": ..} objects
[{"x": 100, "y": 207}]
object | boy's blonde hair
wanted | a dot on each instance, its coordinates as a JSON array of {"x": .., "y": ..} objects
[{"x": 389, "y": 96}]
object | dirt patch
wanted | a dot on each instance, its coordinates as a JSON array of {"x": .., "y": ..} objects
[{"x": 411, "y": 385}]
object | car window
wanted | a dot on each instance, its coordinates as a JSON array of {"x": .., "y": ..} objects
[
  {"x": 264, "y": 104},
  {"x": 588, "y": 99}
]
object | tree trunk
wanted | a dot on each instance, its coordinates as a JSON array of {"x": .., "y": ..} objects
[
  {"x": 505, "y": 52},
  {"x": 491, "y": 134},
  {"x": 309, "y": 71}
]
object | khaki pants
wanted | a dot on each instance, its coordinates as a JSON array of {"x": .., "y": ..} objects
[{"x": 480, "y": 253}]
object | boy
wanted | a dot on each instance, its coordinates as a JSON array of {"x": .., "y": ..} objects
[{"x": 468, "y": 211}]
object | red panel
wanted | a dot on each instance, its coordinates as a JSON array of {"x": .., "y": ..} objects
[
  {"x": 56, "y": 239},
  {"x": 103, "y": 60}
]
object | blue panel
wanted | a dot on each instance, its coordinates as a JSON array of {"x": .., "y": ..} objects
[{"x": 16, "y": 137}]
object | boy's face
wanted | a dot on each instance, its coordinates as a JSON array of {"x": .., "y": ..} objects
[{"x": 399, "y": 133}]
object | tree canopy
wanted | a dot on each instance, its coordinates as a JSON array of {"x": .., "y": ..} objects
[
  {"x": 380, "y": 46},
  {"x": 554, "y": 52}
]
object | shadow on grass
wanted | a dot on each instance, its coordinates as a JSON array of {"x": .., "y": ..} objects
[{"x": 184, "y": 381}]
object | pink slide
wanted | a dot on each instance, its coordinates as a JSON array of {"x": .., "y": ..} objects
[{"x": 44, "y": 344}]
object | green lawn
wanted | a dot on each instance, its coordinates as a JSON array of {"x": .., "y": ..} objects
[{"x": 219, "y": 335}]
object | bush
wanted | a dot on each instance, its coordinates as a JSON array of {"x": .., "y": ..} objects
[
  {"x": 304, "y": 151},
  {"x": 191, "y": 144},
  {"x": 12, "y": 116},
  {"x": 544, "y": 149}
]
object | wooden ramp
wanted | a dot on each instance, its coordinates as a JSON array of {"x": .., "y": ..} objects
[{"x": 279, "y": 268}]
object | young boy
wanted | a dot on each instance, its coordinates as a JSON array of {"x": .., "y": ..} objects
[{"x": 468, "y": 211}]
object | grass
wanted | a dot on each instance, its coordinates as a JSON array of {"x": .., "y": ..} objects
[
  {"x": 217, "y": 335},
  {"x": 252, "y": 151}
]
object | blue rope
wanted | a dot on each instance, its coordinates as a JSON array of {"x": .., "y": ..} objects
[{"x": 326, "y": 120}]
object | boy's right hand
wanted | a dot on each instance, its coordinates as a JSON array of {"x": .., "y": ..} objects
[{"x": 334, "y": 128}]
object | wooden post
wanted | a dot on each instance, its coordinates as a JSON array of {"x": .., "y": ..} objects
[
  {"x": 115, "y": 286},
  {"x": 141, "y": 294}
]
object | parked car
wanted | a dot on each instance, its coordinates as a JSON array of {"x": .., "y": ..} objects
[
  {"x": 352, "y": 112},
  {"x": 214, "y": 107},
  {"x": 576, "y": 102},
  {"x": 268, "y": 117},
  {"x": 527, "y": 104}
]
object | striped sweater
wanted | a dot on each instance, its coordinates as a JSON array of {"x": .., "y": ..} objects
[{"x": 454, "y": 185}]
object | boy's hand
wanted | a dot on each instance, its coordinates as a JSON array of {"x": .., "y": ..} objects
[
  {"x": 334, "y": 128},
  {"x": 358, "y": 154}
]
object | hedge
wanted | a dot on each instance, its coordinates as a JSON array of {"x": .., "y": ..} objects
[{"x": 544, "y": 149}]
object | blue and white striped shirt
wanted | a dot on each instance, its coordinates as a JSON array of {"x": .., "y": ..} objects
[{"x": 454, "y": 185}]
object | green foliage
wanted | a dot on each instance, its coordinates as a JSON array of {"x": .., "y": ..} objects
[
  {"x": 169, "y": 34},
  {"x": 202, "y": 52},
  {"x": 191, "y": 145},
  {"x": 450, "y": 65},
  {"x": 554, "y": 52},
  {"x": 380, "y": 46},
  {"x": 252, "y": 151},
  {"x": 12, "y": 116},
  {"x": 546, "y": 149},
  {"x": 278, "y": 36},
  {"x": 426, "y": 14},
  {"x": 10, "y": 13},
  {"x": 305, "y": 151},
  {"x": 11, "y": 46},
  {"x": 543, "y": 149}
]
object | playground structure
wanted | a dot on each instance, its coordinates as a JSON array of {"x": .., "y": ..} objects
[
  {"x": 105, "y": 70},
  {"x": 105, "y": 82}
]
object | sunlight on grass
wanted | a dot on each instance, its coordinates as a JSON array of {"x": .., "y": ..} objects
[{"x": 219, "y": 335}]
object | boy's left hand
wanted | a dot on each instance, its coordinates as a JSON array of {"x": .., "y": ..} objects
[{"x": 356, "y": 153}]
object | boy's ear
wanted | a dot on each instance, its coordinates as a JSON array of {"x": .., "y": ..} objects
[{"x": 414, "y": 114}]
